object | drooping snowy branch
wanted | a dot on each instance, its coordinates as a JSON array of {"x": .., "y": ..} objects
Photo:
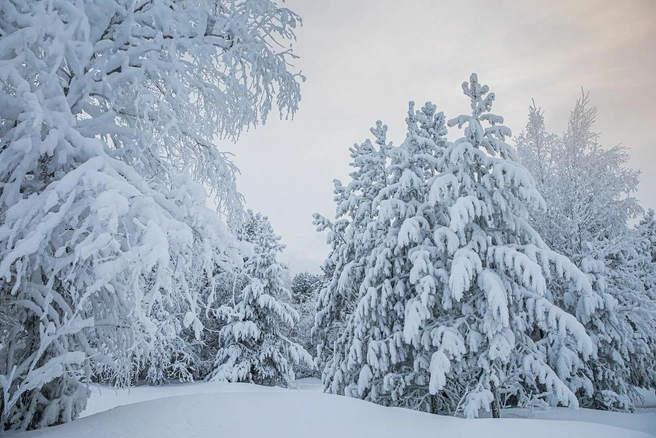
[{"x": 110, "y": 111}]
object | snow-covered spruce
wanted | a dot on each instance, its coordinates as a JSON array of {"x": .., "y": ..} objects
[
  {"x": 381, "y": 364},
  {"x": 453, "y": 312},
  {"x": 497, "y": 275},
  {"x": 252, "y": 345},
  {"x": 305, "y": 286},
  {"x": 304, "y": 296},
  {"x": 352, "y": 238},
  {"x": 108, "y": 110},
  {"x": 646, "y": 230}
]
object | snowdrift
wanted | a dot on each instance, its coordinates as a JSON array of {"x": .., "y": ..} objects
[{"x": 240, "y": 410}]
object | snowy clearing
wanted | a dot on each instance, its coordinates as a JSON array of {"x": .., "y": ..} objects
[{"x": 227, "y": 409}]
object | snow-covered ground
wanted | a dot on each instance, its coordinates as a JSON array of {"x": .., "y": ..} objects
[{"x": 241, "y": 410}]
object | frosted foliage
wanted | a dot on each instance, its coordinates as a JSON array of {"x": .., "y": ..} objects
[
  {"x": 377, "y": 346},
  {"x": 305, "y": 293},
  {"x": 588, "y": 189},
  {"x": 452, "y": 312},
  {"x": 497, "y": 274},
  {"x": 646, "y": 247},
  {"x": 253, "y": 347},
  {"x": 352, "y": 238},
  {"x": 589, "y": 199},
  {"x": 108, "y": 113}
]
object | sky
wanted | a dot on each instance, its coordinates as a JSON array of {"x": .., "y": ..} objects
[{"x": 365, "y": 59}]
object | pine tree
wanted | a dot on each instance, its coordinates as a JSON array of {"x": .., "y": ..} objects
[
  {"x": 108, "y": 113},
  {"x": 305, "y": 294},
  {"x": 222, "y": 291},
  {"x": 625, "y": 336},
  {"x": 453, "y": 311},
  {"x": 304, "y": 286},
  {"x": 253, "y": 348},
  {"x": 380, "y": 365},
  {"x": 496, "y": 267},
  {"x": 646, "y": 229},
  {"x": 351, "y": 238}
]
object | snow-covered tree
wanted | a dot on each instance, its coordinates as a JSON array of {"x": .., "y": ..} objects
[
  {"x": 351, "y": 237},
  {"x": 108, "y": 113},
  {"x": 493, "y": 284},
  {"x": 595, "y": 184},
  {"x": 304, "y": 286},
  {"x": 200, "y": 353},
  {"x": 589, "y": 198},
  {"x": 646, "y": 229},
  {"x": 588, "y": 190},
  {"x": 625, "y": 335},
  {"x": 453, "y": 311},
  {"x": 379, "y": 364},
  {"x": 537, "y": 150},
  {"x": 253, "y": 347},
  {"x": 305, "y": 294}
]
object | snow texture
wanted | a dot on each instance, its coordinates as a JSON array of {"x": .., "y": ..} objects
[{"x": 200, "y": 410}]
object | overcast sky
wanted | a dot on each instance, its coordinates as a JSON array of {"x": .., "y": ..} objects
[{"x": 365, "y": 59}]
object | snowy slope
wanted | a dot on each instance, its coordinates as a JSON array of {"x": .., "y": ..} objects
[{"x": 239, "y": 410}]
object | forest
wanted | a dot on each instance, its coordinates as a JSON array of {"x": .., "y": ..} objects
[{"x": 468, "y": 269}]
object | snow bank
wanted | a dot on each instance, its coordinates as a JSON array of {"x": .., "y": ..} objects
[
  {"x": 240, "y": 410},
  {"x": 648, "y": 398}
]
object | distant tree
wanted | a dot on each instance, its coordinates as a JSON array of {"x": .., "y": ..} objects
[
  {"x": 305, "y": 287},
  {"x": 537, "y": 150},
  {"x": 625, "y": 335},
  {"x": 305, "y": 293},
  {"x": 646, "y": 229},
  {"x": 222, "y": 291},
  {"x": 252, "y": 345}
]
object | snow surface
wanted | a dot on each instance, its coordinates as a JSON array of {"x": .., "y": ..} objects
[{"x": 243, "y": 410}]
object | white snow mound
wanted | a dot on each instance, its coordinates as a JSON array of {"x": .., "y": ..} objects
[{"x": 237, "y": 411}]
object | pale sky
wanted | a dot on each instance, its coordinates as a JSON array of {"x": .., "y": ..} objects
[{"x": 365, "y": 59}]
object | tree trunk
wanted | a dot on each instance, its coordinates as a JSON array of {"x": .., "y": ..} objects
[
  {"x": 495, "y": 407},
  {"x": 433, "y": 404}
]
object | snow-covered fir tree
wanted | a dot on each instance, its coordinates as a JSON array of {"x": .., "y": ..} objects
[
  {"x": 589, "y": 198},
  {"x": 304, "y": 296},
  {"x": 380, "y": 365},
  {"x": 253, "y": 347},
  {"x": 351, "y": 237},
  {"x": 108, "y": 111},
  {"x": 453, "y": 312},
  {"x": 625, "y": 335},
  {"x": 493, "y": 287},
  {"x": 646, "y": 229},
  {"x": 304, "y": 286}
]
